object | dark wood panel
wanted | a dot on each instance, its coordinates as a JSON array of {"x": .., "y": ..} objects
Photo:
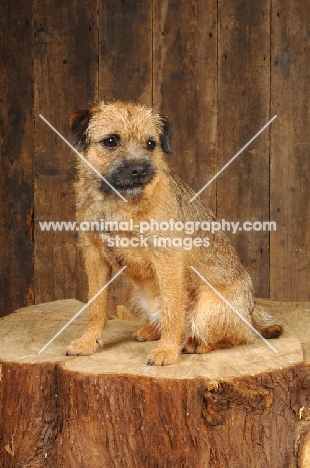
[
  {"x": 243, "y": 109},
  {"x": 66, "y": 78},
  {"x": 206, "y": 65},
  {"x": 185, "y": 86},
  {"x": 290, "y": 162},
  {"x": 125, "y": 41},
  {"x": 16, "y": 139}
]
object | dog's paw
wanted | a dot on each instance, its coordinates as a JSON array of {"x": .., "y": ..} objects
[
  {"x": 163, "y": 356},
  {"x": 204, "y": 349},
  {"x": 146, "y": 333},
  {"x": 83, "y": 347},
  {"x": 194, "y": 346},
  {"x": 190, "y": 346}
]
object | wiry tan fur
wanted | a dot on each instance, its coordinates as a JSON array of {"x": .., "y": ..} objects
[{"x": 176, "y": 306}]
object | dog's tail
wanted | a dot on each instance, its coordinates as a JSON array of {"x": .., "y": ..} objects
[{"x": 265, "y": 323}]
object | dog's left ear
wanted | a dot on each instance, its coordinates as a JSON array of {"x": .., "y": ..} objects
[
  {"x": 79, "y": 121},
  {"x": 166, "y": 134}
]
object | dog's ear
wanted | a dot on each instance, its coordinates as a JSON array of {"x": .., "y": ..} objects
[
  {"x": 166, "y": 134},
  {"x": 79, "y": 121}
]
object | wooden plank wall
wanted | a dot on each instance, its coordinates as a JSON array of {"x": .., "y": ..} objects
[
  {"x": 243, "y": 109},
  {"x": 65, "y": 79},
  {"x": 219, "y": 70},
  {"x": 290, "y": 151},
  {"x": 16, "y": 160},
  {"x": 185, "y": 86}
]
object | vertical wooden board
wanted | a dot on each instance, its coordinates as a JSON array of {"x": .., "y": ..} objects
[
  {"x": 290, "y": 148},
  {"x": 243, "y": 109},
  {"x": 125, "y": 70},
  {"x": 66, "y": 77},
  {"x": 185, "y": 86},
  {"x": 125, "y": 41},
  {"x": 16, "y": 159}
]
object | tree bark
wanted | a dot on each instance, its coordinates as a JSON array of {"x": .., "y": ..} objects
[{"x": 239, "y": 408}]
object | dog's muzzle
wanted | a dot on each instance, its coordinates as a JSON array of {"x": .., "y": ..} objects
[{"x": 130, "y": 177}]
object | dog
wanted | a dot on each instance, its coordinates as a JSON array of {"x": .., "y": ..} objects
[{"x": 128, "y": 144}]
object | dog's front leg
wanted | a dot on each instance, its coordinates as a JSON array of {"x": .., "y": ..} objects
[
  {"x": 98, "y": 273},
  {"x": 170, "y": 281}
]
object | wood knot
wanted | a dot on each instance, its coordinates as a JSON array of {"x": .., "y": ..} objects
[
  {"x": 221, "y": 397},
  {"x": 304, "y": 413}
]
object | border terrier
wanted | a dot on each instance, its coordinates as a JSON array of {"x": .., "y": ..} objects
[{"x": 127, "y": 143}]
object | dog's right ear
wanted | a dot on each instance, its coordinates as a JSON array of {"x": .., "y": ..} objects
[
  {"x": 166, "y": 134},
  {"x": 79, "y": 123}
]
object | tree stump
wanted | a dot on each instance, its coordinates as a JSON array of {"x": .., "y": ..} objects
[{"x": 247, "y": 407}]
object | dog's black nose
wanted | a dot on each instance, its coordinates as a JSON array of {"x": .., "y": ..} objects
[
  {"x": 130, "y": 175},
  {"x": 137, "y": 170}
]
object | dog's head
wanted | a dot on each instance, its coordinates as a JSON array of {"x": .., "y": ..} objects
[{"x": 125, "y": 142}]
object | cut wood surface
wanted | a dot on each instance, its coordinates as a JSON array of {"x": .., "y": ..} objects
[{"x": 244, "y": 407}]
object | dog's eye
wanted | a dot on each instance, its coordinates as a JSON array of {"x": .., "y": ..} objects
[
  {"x": 109, "y": 142},
  {"x": 151, "y": 144}
]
